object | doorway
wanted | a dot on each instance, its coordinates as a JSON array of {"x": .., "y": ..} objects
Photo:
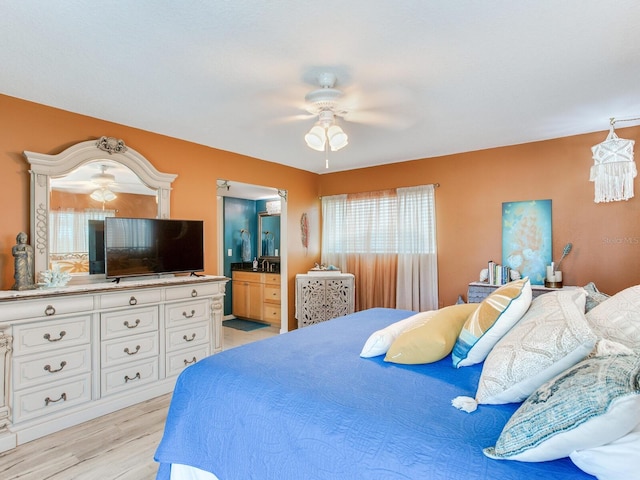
[{"x": 251, "y": 198}]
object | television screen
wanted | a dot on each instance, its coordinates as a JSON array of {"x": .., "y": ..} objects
[{"x": 149, "y": 246}]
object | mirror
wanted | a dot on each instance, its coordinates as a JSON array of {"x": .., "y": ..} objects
[
  {"x": 84, "y": 184},
  {"x": 269, "y": 228}
]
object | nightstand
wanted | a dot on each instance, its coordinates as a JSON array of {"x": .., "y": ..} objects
[{"x": 478, "y": 291}]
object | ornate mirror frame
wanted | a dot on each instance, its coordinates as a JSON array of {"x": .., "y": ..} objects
[{"x": 44, "y": 167}]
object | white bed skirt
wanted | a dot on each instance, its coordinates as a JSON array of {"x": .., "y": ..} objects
[{"x": 185, "y": 472}]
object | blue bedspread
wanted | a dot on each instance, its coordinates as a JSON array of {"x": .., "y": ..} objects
[{"x": 305, "y": 406}]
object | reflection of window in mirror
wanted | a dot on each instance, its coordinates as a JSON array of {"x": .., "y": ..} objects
[{"x": 269, "y": 227}]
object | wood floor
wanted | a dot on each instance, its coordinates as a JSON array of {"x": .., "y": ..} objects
[{"x": 115, "y": 446}]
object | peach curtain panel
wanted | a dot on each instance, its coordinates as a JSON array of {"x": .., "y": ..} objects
[{"x": 387, "y": 240}]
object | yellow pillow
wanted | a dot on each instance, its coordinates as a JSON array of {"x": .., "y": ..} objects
[{"x": 432, "y": 339}]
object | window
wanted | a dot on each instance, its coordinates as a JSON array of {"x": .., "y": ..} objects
[{"x": 387, "y": 235}]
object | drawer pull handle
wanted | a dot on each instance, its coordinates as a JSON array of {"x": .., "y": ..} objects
[
  {"x": 194, "y": 293},
  {"x": 49, "y": 310},
  {"x": 133, "y": 301},
  {"x": 126, "y": 350},
  {"x": 128, "y": 325},
  {"x": 47, "y": 336},
  {"x": 189, "y": 362},
  {"x": 48, "y": 367},
  {"x": 48, "y": 400},
  {"x": 193, "y": 337},
  {"x": 186, "y": 315},
  {"x": 127, "y": 377}
]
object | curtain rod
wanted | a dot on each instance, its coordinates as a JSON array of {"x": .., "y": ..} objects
[{"x": 435, "y": 185}]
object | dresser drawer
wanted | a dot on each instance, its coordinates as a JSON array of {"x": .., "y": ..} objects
[
  {"x": 51, "y": 335},
  {"x": 272, "y": 294},
  {"x": 129, "y": 376},
  {"x": 34, "y": 402},
  {"x": 50, "y": 307},
  {"x": 195, "y": 310},
  {"x": 187, "y": 336},
  {"x": 128, "y": 349},
  {"x": 130, "y": 321},
  {"x": 176, "y": 362},
  {"x": 130, "y": 298},
  {"x": 193, "y": 291},
  {"x": 34, "y": 370}
]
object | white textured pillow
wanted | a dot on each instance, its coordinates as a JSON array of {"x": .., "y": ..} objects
[
  {"x": 379, "y": 341},
  {"x": 617, "y": 460},
  {"x": 552, "y": 336},
  {"x": 592, "y": 404},
  {"x": 618, "y": 318}
]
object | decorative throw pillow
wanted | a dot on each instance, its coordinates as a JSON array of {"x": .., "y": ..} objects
[
  {"x": 379, "y": 341},
  {"x": 593, "y": 403},
  {"x": 618, "y": 318},
  {"x": 594, "y": 296},
  {"x": 495, "y": 315},
  {"x": 552, "y": 336},
  {"x": 433, "y": 338},
  {"x": 614, "y": 461}
]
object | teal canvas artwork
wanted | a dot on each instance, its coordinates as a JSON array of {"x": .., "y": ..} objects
[{"x": 526, "y": 238}]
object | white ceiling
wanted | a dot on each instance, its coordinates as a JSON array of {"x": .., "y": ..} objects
[{"x": 431, "y": 77}]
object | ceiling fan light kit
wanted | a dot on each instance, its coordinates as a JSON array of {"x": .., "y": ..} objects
[
  {"x": 324, "y": 103},
  {"x": 103, "y": 180}
]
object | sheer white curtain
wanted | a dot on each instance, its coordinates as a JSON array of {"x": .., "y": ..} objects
[
  {"x": 70, "y": 229},
  {"x": 417, "y": 287},
  {"x": 387, "y": 240}
]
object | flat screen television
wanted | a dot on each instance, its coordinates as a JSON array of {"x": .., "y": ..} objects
[{"x": 150, "y": 246}]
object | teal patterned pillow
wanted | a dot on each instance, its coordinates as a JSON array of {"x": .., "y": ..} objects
[
  {"x": 591, "y": 404},
  {"x": 594, "y": 296}
]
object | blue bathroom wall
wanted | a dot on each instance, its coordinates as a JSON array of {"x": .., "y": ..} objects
[{"x": 239, "y": 214}]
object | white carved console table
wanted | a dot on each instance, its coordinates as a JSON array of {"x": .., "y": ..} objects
[
  {"x": 72, "y": 354},
  {"x": 324, "y": 295}
]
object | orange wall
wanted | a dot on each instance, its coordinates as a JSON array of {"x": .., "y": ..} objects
[
  {"x": 30, "y": 126},
  {"x": 473, "y": 186},
  {"x": 124, "y": 205}
]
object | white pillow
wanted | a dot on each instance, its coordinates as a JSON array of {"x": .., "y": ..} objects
[
  {"x": 618, "y": 318},
  {"x": 594, "y": 403},
  {"x": 617, "y": 460},
  {"x": 552, "y": 336},
  {"x": 495, "y": 315},
  {"x": 379, "y": 341}
]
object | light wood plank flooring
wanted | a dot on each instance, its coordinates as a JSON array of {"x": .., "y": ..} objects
[{"x": 115, "y": 446}]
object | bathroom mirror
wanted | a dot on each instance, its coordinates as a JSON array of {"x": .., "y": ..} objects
[
  {"x": 83, "y": 184},
  {"x": 269, "y": 228}
]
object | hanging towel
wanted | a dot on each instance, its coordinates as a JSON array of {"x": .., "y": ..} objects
[
  {"x": 269, "y": 244},
  {"x": 246, "y": 245}
]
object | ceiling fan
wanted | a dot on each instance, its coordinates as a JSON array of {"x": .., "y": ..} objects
[{"x": 324, "y": 103}]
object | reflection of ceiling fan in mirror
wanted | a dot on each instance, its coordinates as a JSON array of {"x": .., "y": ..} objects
[
  {"x": 108, "y": 174},
  {"x": 104, "y": 181}
]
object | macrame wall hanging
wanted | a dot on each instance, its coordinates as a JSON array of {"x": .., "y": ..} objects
[{"x": 614, "y": 169}]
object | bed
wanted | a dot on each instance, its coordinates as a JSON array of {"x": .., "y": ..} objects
[{"x": 305, "y": 405}]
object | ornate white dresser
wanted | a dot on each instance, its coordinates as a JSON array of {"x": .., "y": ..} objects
[
  {"x": 79, "y": 352},
  {"x": 323, "y": 295}
]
